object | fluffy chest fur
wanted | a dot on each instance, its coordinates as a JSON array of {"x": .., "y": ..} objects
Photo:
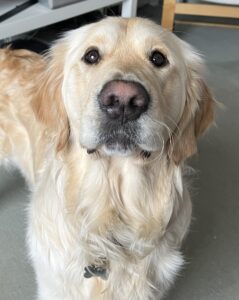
[{"x": 103, "y": 212}]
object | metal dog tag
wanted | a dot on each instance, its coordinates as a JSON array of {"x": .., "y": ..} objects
[{"x": 93, "y": 271}]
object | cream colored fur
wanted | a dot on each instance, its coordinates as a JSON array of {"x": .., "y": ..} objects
[{"x": 127, "y": 212}]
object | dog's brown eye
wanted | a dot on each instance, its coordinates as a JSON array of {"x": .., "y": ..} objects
[
  {"x": 92, "y": 57},
  {"x": 158, "y": 59}
]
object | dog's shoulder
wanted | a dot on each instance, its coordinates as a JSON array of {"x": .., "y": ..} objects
[
  {"x": 8, "y": 57},
  {"x": 22, "y": 63}
]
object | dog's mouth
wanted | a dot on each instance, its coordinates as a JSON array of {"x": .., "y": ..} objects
[
  {"x": 119, "y": 145},
  {"x": 119, "y": 141},
  {"x": 118, "y": 149}
]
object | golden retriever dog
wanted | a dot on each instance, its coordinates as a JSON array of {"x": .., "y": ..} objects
[{"x": 101, "y": 128}]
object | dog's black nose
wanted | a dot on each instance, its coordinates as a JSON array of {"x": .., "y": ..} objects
[{"x": 123, "y": 100}]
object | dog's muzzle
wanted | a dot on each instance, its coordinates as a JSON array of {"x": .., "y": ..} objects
[{"x": 122, "y": 103}]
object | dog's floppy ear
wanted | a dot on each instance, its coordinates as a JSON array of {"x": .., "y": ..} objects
[
  {"x": 48, "y": 103},
  {"x": 198, "y": 112}
]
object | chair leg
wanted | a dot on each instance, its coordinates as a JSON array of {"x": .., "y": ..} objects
[{"x": 168, "y": 14}]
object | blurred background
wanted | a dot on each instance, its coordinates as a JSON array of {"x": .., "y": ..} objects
[{"x": 211, "y": 248}]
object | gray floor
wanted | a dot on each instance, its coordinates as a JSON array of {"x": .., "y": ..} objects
[{"x": 211, "y": 249}]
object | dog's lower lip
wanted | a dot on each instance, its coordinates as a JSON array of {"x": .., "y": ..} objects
[
  {"x": 91, "y": 151},
  {"x": 112, "y": 145},
  {"x": 118, "y": 147},
  {"x": 145, "y": 154},
  {"x": 122, "y": 143}
]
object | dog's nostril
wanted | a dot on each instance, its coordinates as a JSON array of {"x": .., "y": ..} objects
[
  {"x": 137, "y": 101},
  {"x": 109, "y": 100},
  {"x": 112, "y": 100}
]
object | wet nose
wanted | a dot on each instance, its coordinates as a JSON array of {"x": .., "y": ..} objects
[{"x": 123, "y": 100}]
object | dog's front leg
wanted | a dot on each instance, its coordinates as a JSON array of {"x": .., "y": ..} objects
[{"x": 15, "y": 144}]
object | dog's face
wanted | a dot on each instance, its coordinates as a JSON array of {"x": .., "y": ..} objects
[
  {"x": 128, "y": 86},
  {"x": 124, "y": 86}
]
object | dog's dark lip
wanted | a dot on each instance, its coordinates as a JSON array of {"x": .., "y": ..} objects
[
  {"x": 91, "y": 151},
  {"x": 142, "y": 153},
  {"x": 145, "y": 154}
]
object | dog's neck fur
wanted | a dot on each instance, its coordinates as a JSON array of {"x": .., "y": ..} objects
[{"x": 143, "y": 215}]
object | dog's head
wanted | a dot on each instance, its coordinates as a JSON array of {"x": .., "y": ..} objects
[{"x": 126, "y": 86}]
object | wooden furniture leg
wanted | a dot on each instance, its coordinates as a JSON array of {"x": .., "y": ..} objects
[{"x": 168, "y": 14}]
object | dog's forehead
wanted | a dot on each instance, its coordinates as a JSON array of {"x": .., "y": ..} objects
[
  {"x": 137, "y": 32},
  {"x": 133, "y": 30}
]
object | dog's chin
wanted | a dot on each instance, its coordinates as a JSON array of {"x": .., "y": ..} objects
[
  {"x": 114, "y": 147},
  {"x": 119, "y": 146},
  {"x": 118, "y": 149}
]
